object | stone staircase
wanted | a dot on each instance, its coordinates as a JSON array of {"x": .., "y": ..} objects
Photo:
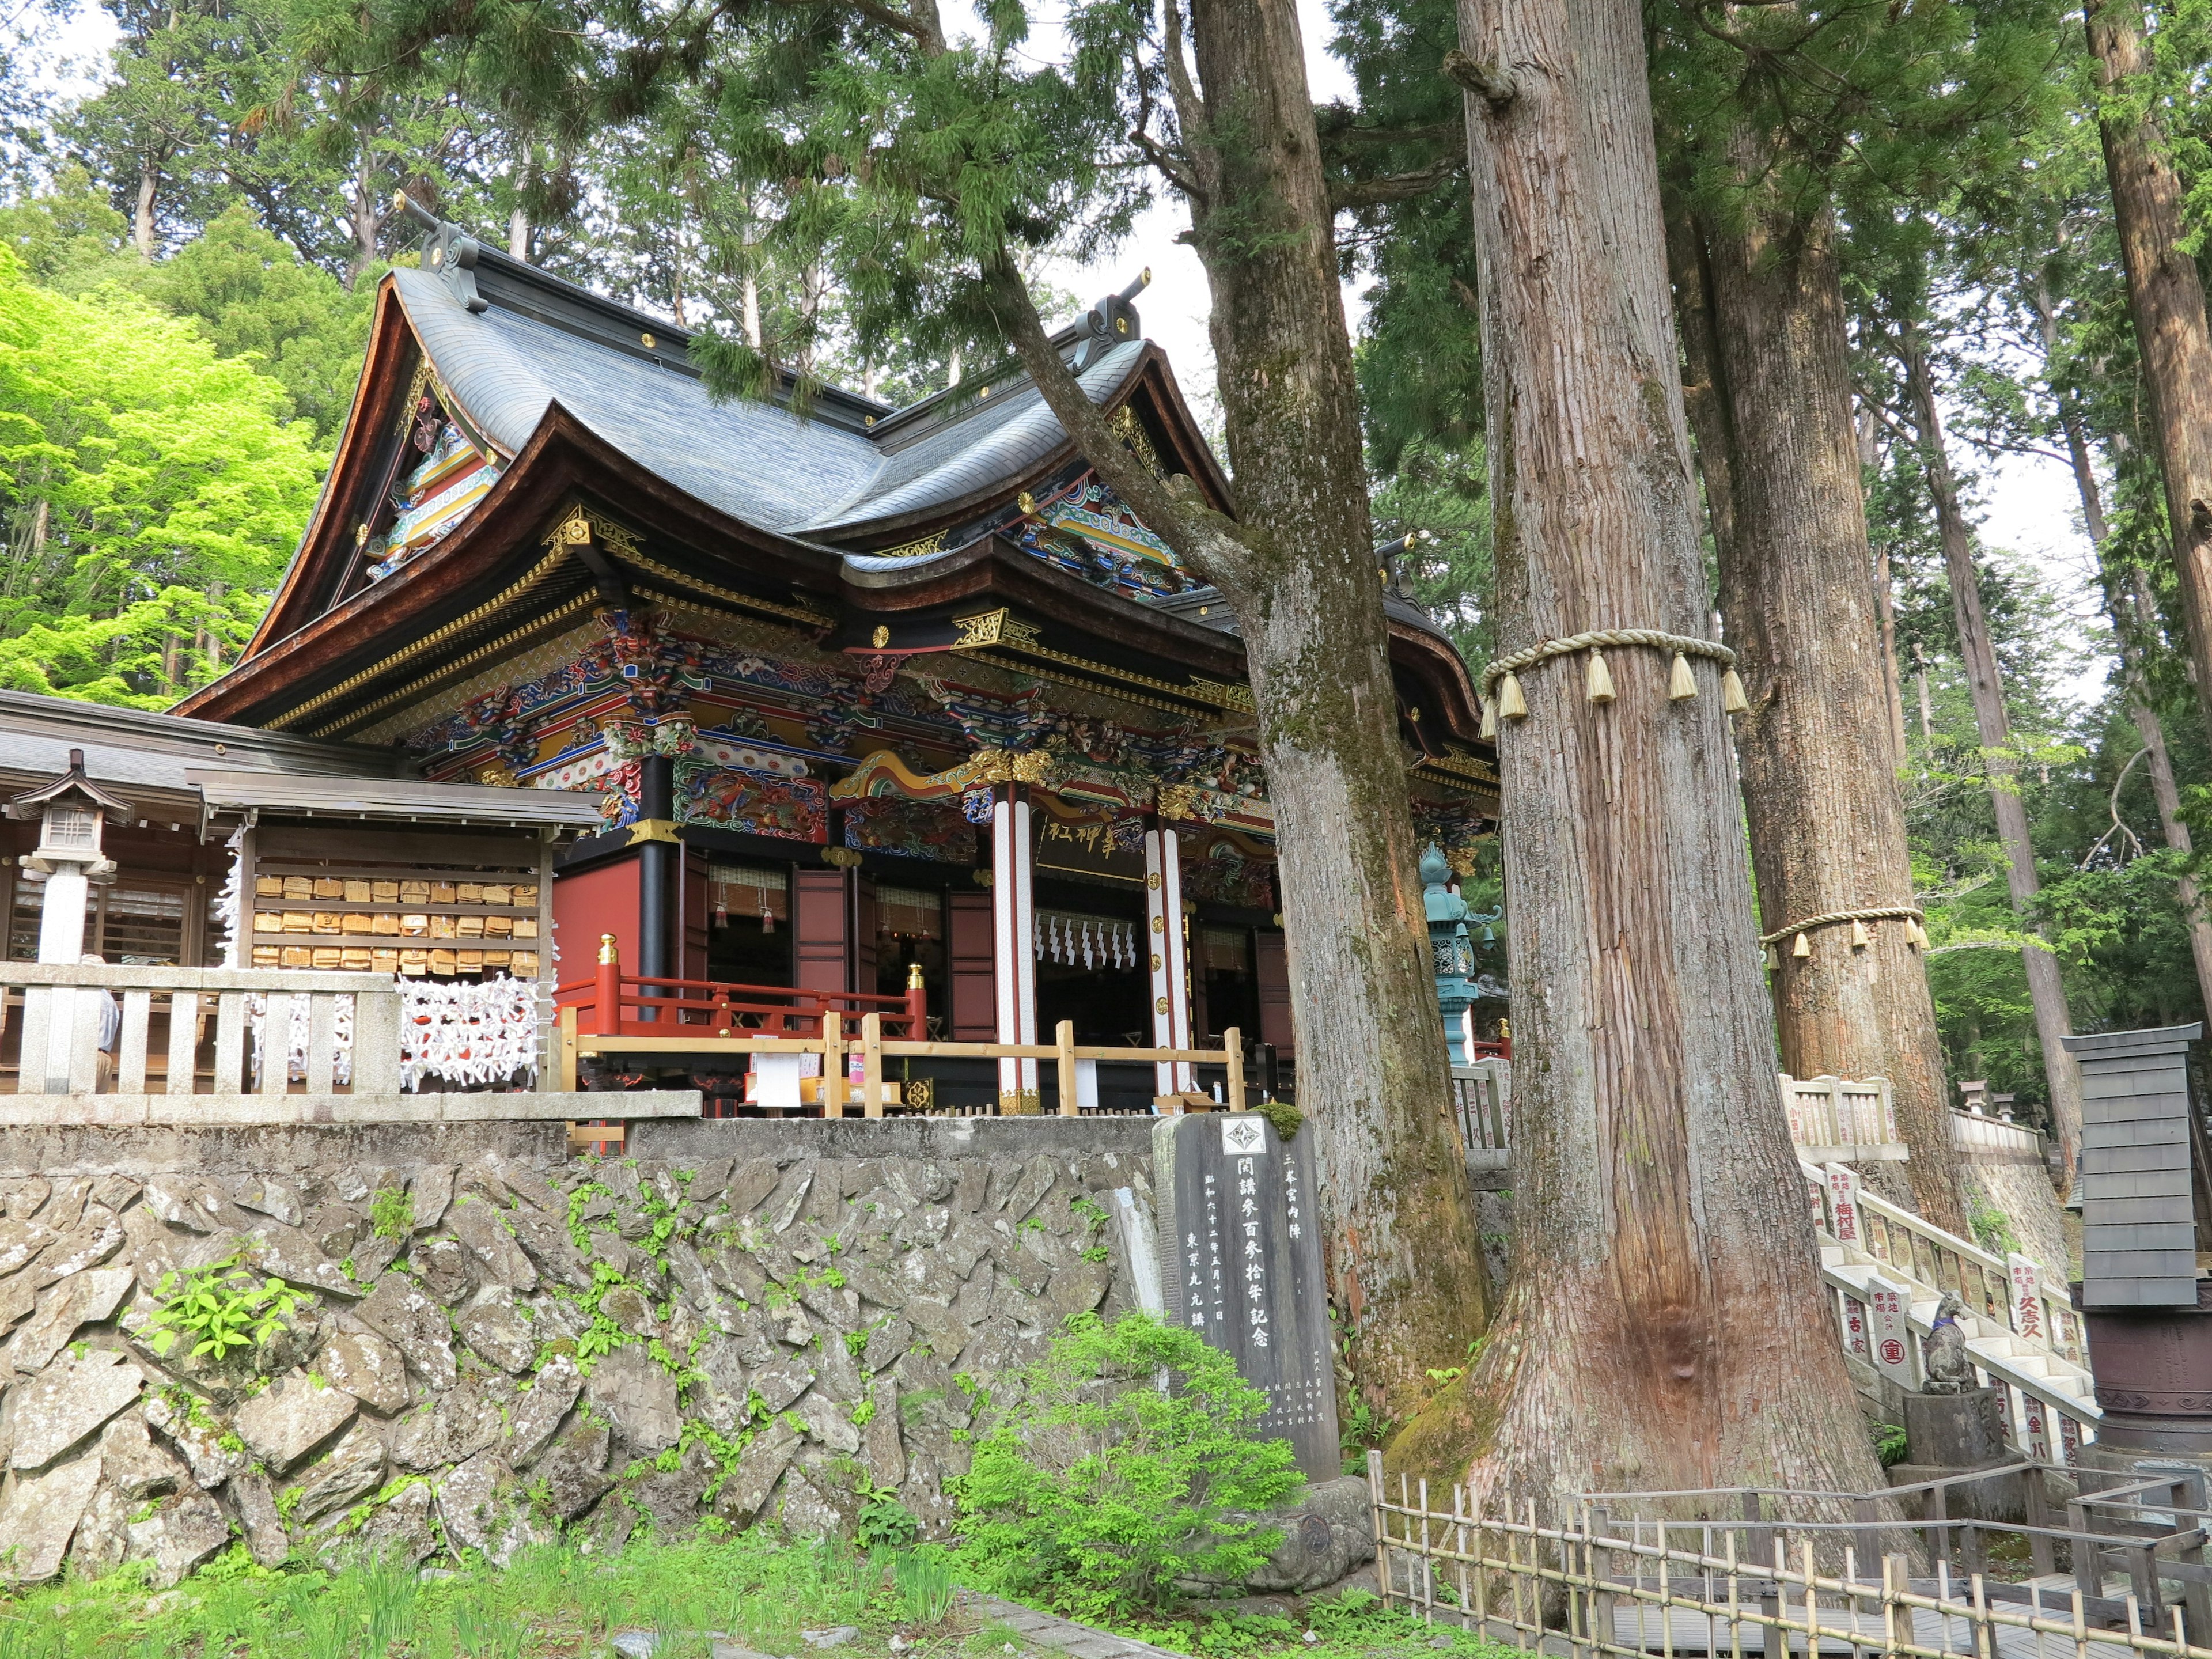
[{"x": 1888, "y": 1271}]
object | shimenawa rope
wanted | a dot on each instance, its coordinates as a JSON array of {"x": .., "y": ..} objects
[
  {"x": 1915, "y": 933},
  {"x": 1501, "y": 684}
]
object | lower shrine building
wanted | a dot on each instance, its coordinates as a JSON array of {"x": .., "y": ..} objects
[{"x": 893, "y": 709}]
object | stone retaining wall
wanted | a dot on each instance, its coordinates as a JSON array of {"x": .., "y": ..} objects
[{"x": 746, "y": 1320}]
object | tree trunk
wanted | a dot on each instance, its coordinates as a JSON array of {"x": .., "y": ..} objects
[
  {"x": 1818, "y": 752},
  {"x": 367, "y": 218},
  {"x": 518, "y": 233},
  {"x": 1404, "y": 1254},
  {"x": 1666, "y": 1326},
  {"x": 2045, "y": 986},
  {"x": 141, "y": 216},
  {"x": 2166, "y": 300}
]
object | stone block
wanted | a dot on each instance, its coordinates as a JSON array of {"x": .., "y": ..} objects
[
  {"x": 183, "y": 1530},
  {"x": 67, "y": 1402},
  {"x": 40, "y": 1516},
  {"x": 497, "y": 1330},
  {"x": 200, "y": 1443},
  {"x": 760, "y": 1466},
  {"x": 398, "y": 1311},
  {"x": 572, "y": 1475},
  {"x": 442, "y": 1266},
  {"x": 366, "y": 1366},
  {"x": 545, "y": 1400},
  {"x": 400, "y": 1528},
  {"x": 432, "y": 1190},
  {"x": 750, "y": 1182},
  {"x": 293, "y": 1416},
  {"x": 266, "y": 1541},
  {"x": 89, "y": 1244},
  {"x": 134, "y": 1465},
  {"x": 638, "y": 1397},
  {"x": 886, "y": 1343},
  {"x": 296, "y": 1258},
  {"x": 471, "y": 1499},
  {"x": 455, "y": 1428},
  {"x": 483, "y": 1228},
  {"x": 783, "y": 1382},
  {"x": 87, "y": 1298}
]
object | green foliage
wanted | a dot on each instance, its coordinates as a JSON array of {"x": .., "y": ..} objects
[
  {"x": 392, "y": 1212},
  {"x": 924, "y": 1578},
  {"x": 884, "y": 1522},
  {"x": 1889, "y": 1446},
  {"x": 219, "y": 1309},
  {"x": 149, "y": 495},
  {"x": 1102, "y": 1487}
]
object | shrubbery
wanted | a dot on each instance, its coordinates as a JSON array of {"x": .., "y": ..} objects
[{"x": 1121, "y": 1470}]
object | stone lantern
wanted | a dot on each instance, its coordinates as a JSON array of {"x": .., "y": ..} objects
[
  {"x": 1454, "y": 953},
  {"x": 72, "y": 813}
]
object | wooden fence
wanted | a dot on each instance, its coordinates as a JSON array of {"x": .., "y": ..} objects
[
  {"x": 1762, "y": 1580},
  {"x": 836, "y": 1041}
]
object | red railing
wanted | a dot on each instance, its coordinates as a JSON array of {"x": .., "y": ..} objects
[
  {"x": 612, "y": 1003},
  {"x": 1502, "y": 1048}
]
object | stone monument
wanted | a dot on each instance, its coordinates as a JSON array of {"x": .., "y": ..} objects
[{"x": 1241, "y": 1264}]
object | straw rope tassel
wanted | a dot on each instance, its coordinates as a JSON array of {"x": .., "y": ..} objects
[
  {"x": 1859, "y": 937},
  {"x": 1489, "y": 718},
  {"x": 1773, "y": 959},
  {"x": 1600, "y": 679},
  {"x": 1802, "y": 948},
  {"x": 1512, "y": 705},
  {"x": 1733, "y": 701},
  {"x": 1682, "y": 684}
]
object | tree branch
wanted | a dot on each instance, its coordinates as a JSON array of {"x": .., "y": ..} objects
[
  {"x": 1209, "y": 541},
  {"x": 1490, "y": 82},
  {"x": 1346, "y": 193}
]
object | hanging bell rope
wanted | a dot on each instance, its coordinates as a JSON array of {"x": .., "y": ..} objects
[
  {"x": 1915, "y": 934},
  {"x": 1501, "y": 698}
]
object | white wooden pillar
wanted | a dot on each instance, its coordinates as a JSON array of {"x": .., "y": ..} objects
[
  {"x": 1014, "y": 915},
  {"x": 64, "y": 898},
  {"x": 1169, "y": 955}
]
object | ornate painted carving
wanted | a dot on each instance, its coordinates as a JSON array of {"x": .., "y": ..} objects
[
  {"x": 911, "y": 829},
  {"x": 757, "y": 802}
]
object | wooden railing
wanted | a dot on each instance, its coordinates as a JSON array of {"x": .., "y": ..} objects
[
  {"x": 614, "y": 1004},
  {"x": 836, "y": 1041},
  {"x": 1842, "y": 1121}
]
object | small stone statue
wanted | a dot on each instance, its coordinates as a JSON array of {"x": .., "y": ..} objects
[{"x": 1950, "y": 1367}]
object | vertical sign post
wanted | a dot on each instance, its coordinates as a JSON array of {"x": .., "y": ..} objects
[{"x": 1893, "y": 1335}]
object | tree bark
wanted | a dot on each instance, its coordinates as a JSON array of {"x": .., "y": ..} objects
[
  {"x": 1819, "y": 749},
  {"x": 2165, "y": 301},
  {"x": 1404, "y": 1254},
  {"x": 2045, "y": 988},
  {"x": 142, "y": 215},
  {"x": 1666, "y": 1326}
]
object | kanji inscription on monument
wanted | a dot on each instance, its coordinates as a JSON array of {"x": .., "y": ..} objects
[{"x": 1240, "y": 1263}]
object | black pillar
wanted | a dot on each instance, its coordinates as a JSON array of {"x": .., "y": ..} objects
[{"x": 659, "y": 870}]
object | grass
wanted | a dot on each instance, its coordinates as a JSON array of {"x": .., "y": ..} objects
[
  {"x": 554, "y": 1603},
  {"x": 549, "y": 1603}
]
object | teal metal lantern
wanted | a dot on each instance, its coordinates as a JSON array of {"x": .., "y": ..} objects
[{"x": 1453, "y": 951}]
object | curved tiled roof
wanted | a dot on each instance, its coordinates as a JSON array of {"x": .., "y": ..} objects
[{"x": 757, "y": 461}]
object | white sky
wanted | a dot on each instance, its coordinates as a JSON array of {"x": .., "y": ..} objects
[{"x": 2029, "y": 504}]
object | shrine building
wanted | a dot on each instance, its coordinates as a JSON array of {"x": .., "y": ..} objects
[{"x": 848, "y": 702}]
